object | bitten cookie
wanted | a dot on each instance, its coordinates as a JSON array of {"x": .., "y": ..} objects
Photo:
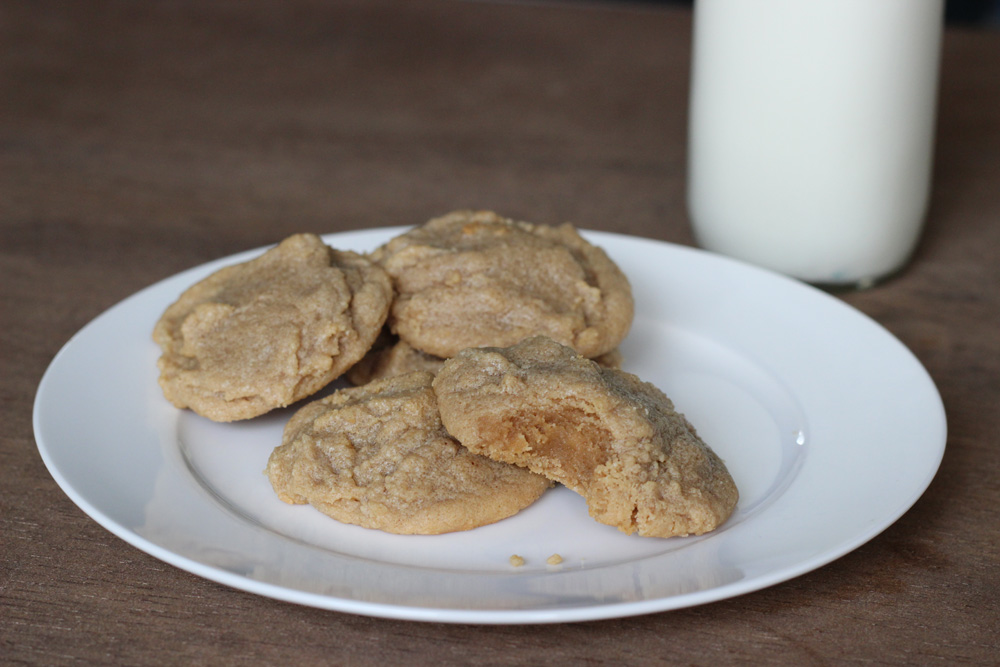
[
  {"x": 265, "y": 333},
  {"x": 474, "y": 278},
  {"x": 604, "y": 433},
  {"x": 378, "y": 456}
]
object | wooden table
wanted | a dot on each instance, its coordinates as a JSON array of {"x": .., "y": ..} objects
[{"x": 139, "y": 139}]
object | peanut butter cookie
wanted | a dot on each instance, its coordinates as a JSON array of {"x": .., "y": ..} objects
[
  {"x": 604, "y": 433},
  {"x": 378, "y": 456},
  {"x": 265, "y": 333},
  {"x": 391, "y": 356},
  {"x": 469, "y": 279}
]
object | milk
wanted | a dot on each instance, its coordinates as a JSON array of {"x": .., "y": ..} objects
[{"x": 811, "y": 132}]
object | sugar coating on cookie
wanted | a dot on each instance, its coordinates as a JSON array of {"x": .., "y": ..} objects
[
  {"x": 470, "y": 279},
  {"x": 378, "y": 456},
  {"x": 268, "y": 332},
  {"x": 614, "y": 439}
]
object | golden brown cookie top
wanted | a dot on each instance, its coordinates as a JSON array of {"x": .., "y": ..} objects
[
  {"x": 473, "y": 278},
  {"x": 378, "y": 456},
  {"x": 604, "y": 433},
  {"x": 265, "y": 333}
]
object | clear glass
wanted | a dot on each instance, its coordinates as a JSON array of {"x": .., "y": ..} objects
[{"x": 811, "y": 133}]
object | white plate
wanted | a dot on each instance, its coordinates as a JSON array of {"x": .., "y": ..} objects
[{"x": 829, "y": 425}]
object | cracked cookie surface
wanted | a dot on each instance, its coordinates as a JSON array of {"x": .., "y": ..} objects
[
  {"x": 473, "y": 278},
  {"x": 268, "y": 332},
  {"x": 378, "y": 456}
]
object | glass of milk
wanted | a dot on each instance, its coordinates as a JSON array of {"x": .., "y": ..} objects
[{"x": 811, "y": 133}]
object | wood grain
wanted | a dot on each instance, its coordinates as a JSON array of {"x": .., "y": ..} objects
[{"x": 139, "y": 139}]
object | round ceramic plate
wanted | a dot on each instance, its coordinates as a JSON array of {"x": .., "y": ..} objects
[{"x": 829, "y": 425}]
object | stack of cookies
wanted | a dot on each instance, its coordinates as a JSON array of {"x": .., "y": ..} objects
[{"x": 484, "y": 354}]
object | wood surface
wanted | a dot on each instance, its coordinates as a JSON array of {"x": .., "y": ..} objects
[{"x": 138, "y": 139}]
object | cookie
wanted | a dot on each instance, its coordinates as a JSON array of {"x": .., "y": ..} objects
[
  {"x": 268, "y": 332},
  {"x": 378, "y": 456},
  {"x": 471, "y": 279},
  {"x": 391, "y": 356},
  {"x": 612, "y": 438}
]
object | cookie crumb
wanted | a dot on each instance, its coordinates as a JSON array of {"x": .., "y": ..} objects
[
  {"x": 516, "y": 561},
  {"x": 554, "y": 559}
]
